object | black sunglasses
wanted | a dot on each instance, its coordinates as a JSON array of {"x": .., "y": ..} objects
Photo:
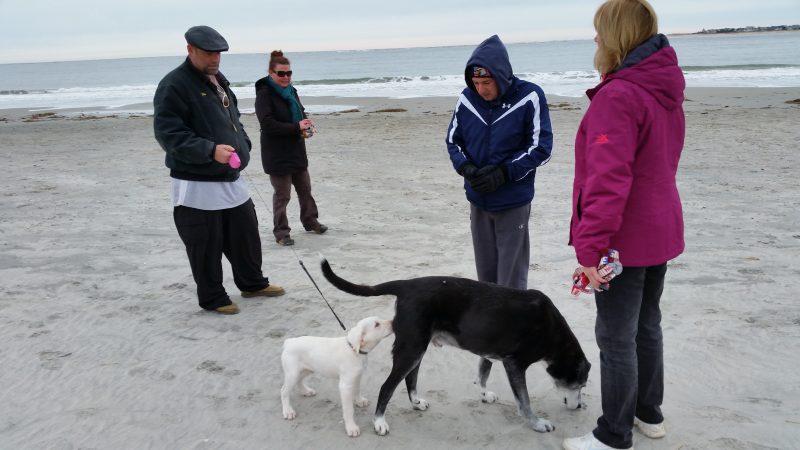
[{"x": 284, "y": 73}]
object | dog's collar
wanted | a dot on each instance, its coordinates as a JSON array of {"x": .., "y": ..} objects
[{"x": 360, "y": 352}]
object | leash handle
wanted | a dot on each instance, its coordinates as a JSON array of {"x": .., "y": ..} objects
[{"x": 320, "y": 293}]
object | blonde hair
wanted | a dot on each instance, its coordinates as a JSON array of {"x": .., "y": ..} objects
[{"x": 622, "y": 25}]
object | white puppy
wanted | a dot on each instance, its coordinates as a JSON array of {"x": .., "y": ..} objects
[{"x": 343, "y": 357}]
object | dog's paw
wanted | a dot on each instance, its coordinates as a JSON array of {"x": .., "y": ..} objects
[
  {"x": 362, "y": 402},
  {"x": 542, "y": 425},
  {"x": 420, "y": 404},
  {"x": 488, "y": 397},
  {"x": 381, "y": 427},
  {"x": 353, "y": 430},
  {"x": 309, "y": 392},
  {"x": 289, "y": 414}
]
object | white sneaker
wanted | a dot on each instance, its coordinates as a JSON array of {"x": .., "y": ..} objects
[
  {"x": 651, "y": 430},
  {"x": 587, "y": 442}
]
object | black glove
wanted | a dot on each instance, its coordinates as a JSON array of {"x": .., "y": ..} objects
[
  {"x": 468, "y": 170},
  {"x": 488, "y": 179}
]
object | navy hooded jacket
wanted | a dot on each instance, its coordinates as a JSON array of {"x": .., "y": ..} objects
[{"x": 512, "y": 132}]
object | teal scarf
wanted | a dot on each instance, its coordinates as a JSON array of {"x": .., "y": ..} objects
[{"x": 287, "y": 93}]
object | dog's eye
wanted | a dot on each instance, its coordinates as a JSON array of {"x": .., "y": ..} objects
[{"x": 377, "y": 324}]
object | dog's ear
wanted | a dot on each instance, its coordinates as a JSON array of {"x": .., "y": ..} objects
[
  {"x": 361, "y": 339},
  {"x": 356, "y": 336}
]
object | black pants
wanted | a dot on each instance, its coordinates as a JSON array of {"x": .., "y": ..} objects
[
  {"x": 628, "y": 331},
  {"x": 210, "y": 234}
]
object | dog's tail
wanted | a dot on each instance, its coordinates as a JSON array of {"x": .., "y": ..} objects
[{"x": 350, "y": 288}]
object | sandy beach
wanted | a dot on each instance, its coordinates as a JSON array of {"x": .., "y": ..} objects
[{"x": 104, "y": 346}]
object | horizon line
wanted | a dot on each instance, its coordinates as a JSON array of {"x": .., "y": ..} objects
[{"x": 703, "y": 32}]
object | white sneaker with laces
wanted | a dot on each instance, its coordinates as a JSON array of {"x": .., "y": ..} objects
[
  {"x": 651, "y": 430},
  {"x": 587, "y": 442}
]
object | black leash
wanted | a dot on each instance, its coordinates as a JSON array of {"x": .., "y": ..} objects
[
  {"x": 320, "y": 293},
  {"x": 301, "y": 263}
]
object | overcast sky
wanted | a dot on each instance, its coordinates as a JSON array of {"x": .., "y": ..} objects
[{"x": 55, "y": 30}]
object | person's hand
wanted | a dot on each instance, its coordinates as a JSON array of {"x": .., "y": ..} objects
[
  {"x": 222, "y": 153},
  {"x": 468, "y": 170},
  {"x": 305, "y": 124},
  {"x": 595, "y": 280},
  {"x": 488, "y": 179}
]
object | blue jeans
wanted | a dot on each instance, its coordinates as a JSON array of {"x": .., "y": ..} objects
[{"x": 628, "y": 332}]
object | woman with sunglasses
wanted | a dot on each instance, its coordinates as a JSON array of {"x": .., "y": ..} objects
[{"x": 284, "y": 127}]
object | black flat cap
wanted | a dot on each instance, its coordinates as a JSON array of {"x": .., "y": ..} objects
[{"x": 206, "y": 38}]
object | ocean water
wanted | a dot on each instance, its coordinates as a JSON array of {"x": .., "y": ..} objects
[{"x": 560, "y": 67}]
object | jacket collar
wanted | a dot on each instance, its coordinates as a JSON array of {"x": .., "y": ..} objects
[{"x": 189, "y": 67}]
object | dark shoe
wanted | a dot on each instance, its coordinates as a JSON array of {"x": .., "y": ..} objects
[
  {"x": 287, "y": 241},
  {"x": 319, "y": 229},
  {"x": 269, "y": 291},
  {"x": 233, "y": 308}
]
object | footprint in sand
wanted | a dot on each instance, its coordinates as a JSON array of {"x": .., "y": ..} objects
[
  {"x": 151, "y": 374},
  {"x": 250, "y": 397},
  {"x": 277, "y": 333},
  {"x": 765, "y": 401},
  {"x": 217, "y": 401},
  {"x": 733, "y": 443},
  {"x": 233, "y": 423},
  {"x": 439, "y": 395},
  {"x": 53, "y": 360},
  {"x": 724, "y": 415},
  {"x": 210, "y": 367}
]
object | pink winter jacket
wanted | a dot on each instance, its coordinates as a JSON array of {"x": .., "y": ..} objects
[{"x": 626, "y": 156}]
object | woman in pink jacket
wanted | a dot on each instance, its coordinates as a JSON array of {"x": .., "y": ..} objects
[{"x": 625, "y": 198}]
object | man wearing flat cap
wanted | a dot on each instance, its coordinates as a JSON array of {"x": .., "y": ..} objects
[
  {"x": 499, "y": 134},
  {"x": 196, "y": 121}
]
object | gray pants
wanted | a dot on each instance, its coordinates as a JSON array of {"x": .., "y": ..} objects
[
  {"x": 628, "y": 331},
  {"x": 502, "y": 245}
]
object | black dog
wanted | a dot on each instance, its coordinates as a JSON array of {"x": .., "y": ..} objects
[{"x": 514, "y": 326}]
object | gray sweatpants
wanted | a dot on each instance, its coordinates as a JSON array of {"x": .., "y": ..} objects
[{"x": 502, "y": 245}]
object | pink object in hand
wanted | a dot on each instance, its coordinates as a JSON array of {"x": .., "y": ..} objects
[{"x": 235, "y": 162}]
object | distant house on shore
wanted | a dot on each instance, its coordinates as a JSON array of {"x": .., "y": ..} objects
[{"x": 750, "y": 29}]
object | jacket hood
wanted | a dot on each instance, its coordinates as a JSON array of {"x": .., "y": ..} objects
[
  {"x": 653, "y": 66},
  {"x": 491, "y": 54},
  {"x": 262, "y": 84}
]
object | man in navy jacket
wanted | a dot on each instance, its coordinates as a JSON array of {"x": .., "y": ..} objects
[{"x": 499, "y": 134}]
